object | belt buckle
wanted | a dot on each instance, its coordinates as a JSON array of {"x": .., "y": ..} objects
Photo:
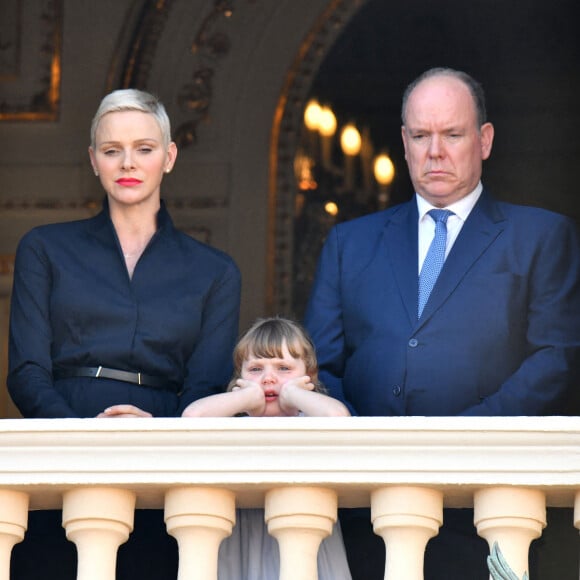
[
  {"x": 139, "y": 379},
  {"x": 99, "y": 372}
]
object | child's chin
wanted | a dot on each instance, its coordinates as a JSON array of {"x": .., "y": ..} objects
[{"x": 273, "y": 410}]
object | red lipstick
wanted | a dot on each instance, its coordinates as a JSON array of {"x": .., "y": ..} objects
[{"x": 128, "y": 181}]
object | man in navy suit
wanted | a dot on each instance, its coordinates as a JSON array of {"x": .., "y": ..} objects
[{"x": 499, "y": 333}]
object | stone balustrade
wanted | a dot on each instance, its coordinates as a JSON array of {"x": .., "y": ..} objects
[{"x": 300, "y": 470}]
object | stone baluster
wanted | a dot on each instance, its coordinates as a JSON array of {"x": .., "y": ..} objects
[
  {"x": 406, "y": 518},
  {"x": 199, "y": 519},
  {"x": 13, "y": 522},
  {"x": 300, "y": 518},
  {"x": 512, "y": 517},
  {"x": 98, "y": 520}
]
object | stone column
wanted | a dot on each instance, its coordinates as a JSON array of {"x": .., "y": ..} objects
[
  {"x": 300, "y": 518},
  {"x": 406, "y": 518},
  {"x": 512, "y": 517},
  {"x": 98, "y": 520},
  {"x": 199, "y": 519},
  {"x": 13, "y": 522}
]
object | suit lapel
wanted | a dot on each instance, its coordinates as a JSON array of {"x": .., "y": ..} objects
[
  {"x": 484, "y": 224},
  {"x": 400, "y": 239}
]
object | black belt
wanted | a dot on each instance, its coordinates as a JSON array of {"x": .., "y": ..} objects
[{"x": 117, "y": 375}]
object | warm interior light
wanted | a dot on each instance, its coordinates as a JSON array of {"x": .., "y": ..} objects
[
  {"x": 331, "y": 208},
  {"x": 350, "y": 140},
  {"x": 312, "y": 115},
  {"x": 327, "y": 122},
  {"x": 384, "y": 169},
  {"x": 303, "y": 169}
]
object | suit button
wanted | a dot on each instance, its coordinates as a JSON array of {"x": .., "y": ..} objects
[
  {"x": 396, "y": 391},
  {"x": 413, "y": 342}
]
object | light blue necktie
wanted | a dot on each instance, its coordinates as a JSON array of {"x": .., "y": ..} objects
[{"x": 434, "y": 258}]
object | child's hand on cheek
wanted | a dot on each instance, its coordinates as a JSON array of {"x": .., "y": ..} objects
[
  {"x": 291, "y": 393},
  {"x": 253, "y": 394},
  {"x": 300, "y": 383}
]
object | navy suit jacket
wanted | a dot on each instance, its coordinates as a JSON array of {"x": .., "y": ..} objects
[{"x": 500, "y": 334}]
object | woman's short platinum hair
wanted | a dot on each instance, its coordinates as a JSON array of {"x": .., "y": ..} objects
[{"x": 133, "y": 100}]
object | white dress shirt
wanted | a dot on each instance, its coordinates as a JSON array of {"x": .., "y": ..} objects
[{"x": 461, "y": 210}]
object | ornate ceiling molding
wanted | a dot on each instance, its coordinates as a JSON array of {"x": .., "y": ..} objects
[
  {"x": 148, "y": 28},
  {"x": 209, "y": 45},
  {"x": 30, "y": 86}
]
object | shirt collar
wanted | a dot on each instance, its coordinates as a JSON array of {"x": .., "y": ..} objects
[
  {"x": 461, "y": 208},
  {"x": 164, "y": 220}
]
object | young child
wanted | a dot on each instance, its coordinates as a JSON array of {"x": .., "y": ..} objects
[{"x": 275, "y": 375}]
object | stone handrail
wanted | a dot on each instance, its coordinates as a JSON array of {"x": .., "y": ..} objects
[{"x": 405, "y": 468}]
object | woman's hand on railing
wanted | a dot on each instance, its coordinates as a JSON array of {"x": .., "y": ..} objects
[{"x": 123, "y": 411}]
